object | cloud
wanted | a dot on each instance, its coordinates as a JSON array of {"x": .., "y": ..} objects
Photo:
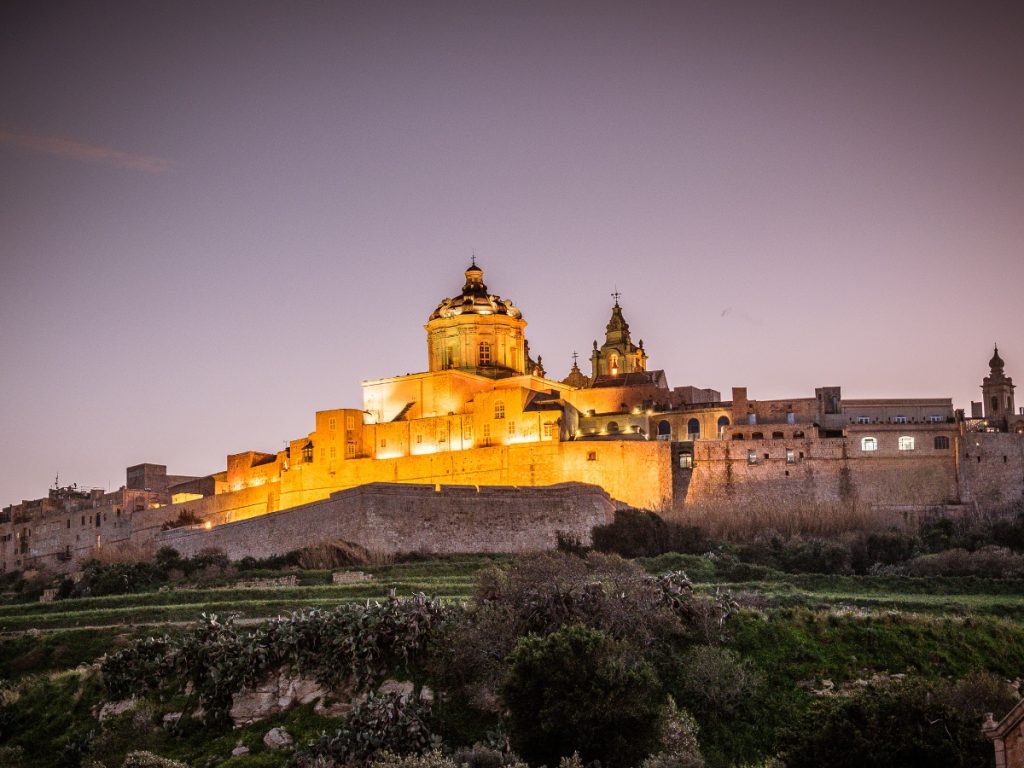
[{"x": 89, "y": 153}]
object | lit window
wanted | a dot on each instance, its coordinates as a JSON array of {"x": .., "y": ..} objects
[
  {"x": 350, "y": 450},
  {"x": 905, "y": 443},
  {"x": 485, "y": 353},
  {"x": 869, "y": 444},
  {"x": 791, "y": 418},
  {"x": 751, "y": 457},
  {"x": 751, "y": 418},
  {"x": 499, "y": 409},
  {"x": 613, "y": 364},
  {"x": 790, "y": 456},
  {"x": 511, "y": 429},
  {"x": 941, "y": 443},
  {"x": 307, "y": 453},
  {"x": 686, "y": 461},
  {"x": 487, "y": 434},
  {"x": 549, "y": 430}
]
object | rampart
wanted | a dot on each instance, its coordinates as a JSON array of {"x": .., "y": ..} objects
[{"x": 392, "y": 518}]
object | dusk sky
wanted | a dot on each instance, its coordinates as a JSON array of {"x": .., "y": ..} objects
[{"x": 218, "y": 217}]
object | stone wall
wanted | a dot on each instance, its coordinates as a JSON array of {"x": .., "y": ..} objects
[
  {"x": 992, "y": 469},
  {"x": 393, "y": 518}
]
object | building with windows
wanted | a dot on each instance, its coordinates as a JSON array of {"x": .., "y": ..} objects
[{"x": 484, "y": 413}]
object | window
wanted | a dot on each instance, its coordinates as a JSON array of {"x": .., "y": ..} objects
[
  {"x": 899, "y": 419},
  {"x": 334, "y": 452},
  {"x": 499, "y": 409},
  {"x": 790, "y": 456},
  {"x": 751, "y": 418},
  {"x": 350, "y": 422},
  {"x": 549, "y": 430},
  {"x": 869, "y": 444},
  {"x": 511, "y": 429},
  {"x": 737, "y": 436},
  {"x": 307, "y": 453},
  {"x": 323, "y": 453},
  {"x": 798, "y": 435},
  {"x": 613, "y": 427},
  {"x": 995, "y": 403},
  {"x": 791, "y": 418},
  {"x": 384, "y": 443},
  {"x": 613, "y": 365},
  {"x": 485, "y": 353},
  {"x": 757, "y": 436},
  {"x": 487, "y": 434},
  {"x": 935, "y": 419},
  {"x": 350, "y": 450},
  {"x": 332, "y": 424},
  {"x": 686, "y": 461},
  {"x": 419, "y": 439},
  {"x": 592, "y": 456},
  {"x": 723, "y": 422},
  {"x": 693, "y": 429},
  {"x": 442, "y": 434},
  {"x": 863, "y": 419},
  {"x": 941, "y": 443},
  {"x": 777, "y": 436},
  {"x": 905, "y": 443},
  {"x": 751, "y": 457},
  {"x": 467, "y": 431}
]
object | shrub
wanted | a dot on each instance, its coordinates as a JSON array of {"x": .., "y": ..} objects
[
  {"x": 909, "y": 723},
  {"x": 678, "y": 746},
  {"x": 988, "y": 562},
  {"x": 579, "y": 689},
  {"x": 149, "y": 760},
  {"x": 384, "y": 723},
  {"x": 638, "y": 533}
]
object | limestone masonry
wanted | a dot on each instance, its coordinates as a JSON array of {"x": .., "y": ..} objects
[{"x": 483, "y": 452}]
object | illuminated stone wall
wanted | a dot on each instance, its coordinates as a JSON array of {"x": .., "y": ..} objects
[{"x": 413, "y": 518}]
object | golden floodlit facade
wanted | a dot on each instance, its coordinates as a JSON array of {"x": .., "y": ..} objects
[{"x": 484, "y": 414}]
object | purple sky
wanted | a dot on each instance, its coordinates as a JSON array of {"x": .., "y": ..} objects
[{"x": 217, "y": 218}]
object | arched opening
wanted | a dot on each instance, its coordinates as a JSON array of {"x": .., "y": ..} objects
[
  {"x": 777, "y": 436},
  {"x": 737, "y": 436},
  {"x": 664, "y": 428},
  {"x": 757, "y": 436},
  {"x": 693, "y": 429},
  {"x": 798, "y": 434},
  {"x": 613, "y": 427},
  {"x": 995, "y": 403},
  {"x": 613, "y": 365},
  {"x": 723, "y": 422}
]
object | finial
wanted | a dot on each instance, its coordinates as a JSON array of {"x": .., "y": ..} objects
[
  {"x": 616, "y": 295},
  {"x": 575, "y": 355},
  {"x": 473, "y": 259}
]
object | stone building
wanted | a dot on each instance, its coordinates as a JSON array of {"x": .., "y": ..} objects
[{"x": 484, "y": 413}]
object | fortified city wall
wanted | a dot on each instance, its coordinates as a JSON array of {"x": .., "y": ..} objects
[{"x": 413, "y": 518}]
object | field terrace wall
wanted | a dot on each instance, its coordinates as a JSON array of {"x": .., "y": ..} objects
[{"x": 392, "y": 518}]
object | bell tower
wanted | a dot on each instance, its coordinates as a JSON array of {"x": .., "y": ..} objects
[
  {"x": 618, "y": 355},
  {"x": 997, "y": 392}
]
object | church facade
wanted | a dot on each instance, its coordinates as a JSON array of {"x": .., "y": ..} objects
[{"x": 484, "y": 413}]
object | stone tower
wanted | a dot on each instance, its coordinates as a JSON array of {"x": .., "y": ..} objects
[
  {"x": 618, "y": 355},
  {"x": 477, "y": 332},
  {"x": 997, "y": 392}
]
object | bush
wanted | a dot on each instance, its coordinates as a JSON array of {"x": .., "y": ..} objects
[
  {"x": 988, "y": 562},
  {"x": 905, "y": 724},
  {"x": 149, "y": 760},
  {"x": 387, "y": 724},
  {"x": 580, "y": 690},
  {"x": 638, "y": 533},
  {"x": 677, "y": 741}
]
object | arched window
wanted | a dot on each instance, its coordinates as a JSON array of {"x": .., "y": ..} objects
[
  {"x": 485, "y": 353},
  {"x": 941, "y": 443},
  {"x": 499, "y": 409},
  {"x": 905, "y": 443},
  {"x": 613, "y": 365},
  {"x": 693, "y": 429},
  {"x": 995, "y": 403},
  {"x": 613, "y": 427},
  {"x": 868, "y": 444},
  {"x": 723, "y": 422},
  {"x": 664, "y": 428},
  {"x": 777, "y": 436},
  {"x": 757, "y": 436}
]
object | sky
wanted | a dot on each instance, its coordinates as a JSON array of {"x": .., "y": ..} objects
[{"x": 219, "y": 217}]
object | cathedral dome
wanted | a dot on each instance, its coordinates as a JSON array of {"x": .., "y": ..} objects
[{"x": 475, "y": 300}]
